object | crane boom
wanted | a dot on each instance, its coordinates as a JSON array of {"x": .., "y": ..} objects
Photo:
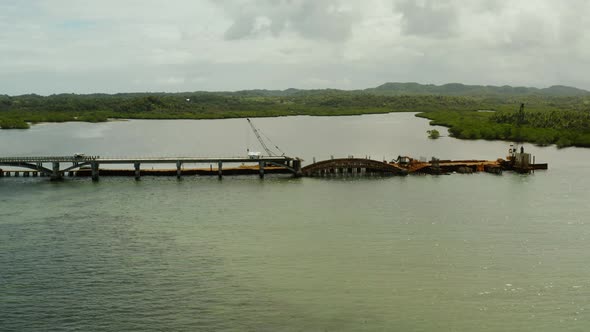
[{"x": 270, "y": 153}]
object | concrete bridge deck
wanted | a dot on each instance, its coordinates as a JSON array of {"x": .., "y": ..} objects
[
  {"x": 143, "y": 160},
  {"x": 92, "y": 163}
]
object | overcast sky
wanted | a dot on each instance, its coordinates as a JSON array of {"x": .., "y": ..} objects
[{"x": 83, "y": 46}]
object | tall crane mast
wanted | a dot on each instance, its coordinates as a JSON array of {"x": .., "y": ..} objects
[
  {"x": 520, "y": 116},
  {"x": 264, "y": 146}
]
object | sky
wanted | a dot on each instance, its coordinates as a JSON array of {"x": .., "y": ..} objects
[{"x": 109, "y": 46}]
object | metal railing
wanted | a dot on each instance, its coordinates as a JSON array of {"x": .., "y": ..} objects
[{"x": 47, "y": 159}]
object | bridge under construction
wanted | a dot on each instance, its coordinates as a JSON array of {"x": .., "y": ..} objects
[{"x": 90, "y": 166}]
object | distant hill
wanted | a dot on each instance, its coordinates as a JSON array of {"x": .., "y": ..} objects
[
  {"x": 417, "y": 89},
  {"x": 457, "y": 89},
  {"x": 390, "y": 89}
]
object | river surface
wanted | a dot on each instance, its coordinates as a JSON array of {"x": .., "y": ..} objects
[{"x": 419, "y": 253}]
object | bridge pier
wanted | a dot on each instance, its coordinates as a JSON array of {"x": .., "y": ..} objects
[
  {"x": 261, "y": 169},
  {"x": 56, "y": 174},
  {"x": 137, "y": 170},
  {"x": 297, "y": 167},
  {"x": 220, "y": 170},
  {"x": 178, "y": 169},
  {"x": 95, "y": 173}
]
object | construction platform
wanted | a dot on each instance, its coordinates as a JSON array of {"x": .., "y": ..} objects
[{"x": 403, "y": 165}]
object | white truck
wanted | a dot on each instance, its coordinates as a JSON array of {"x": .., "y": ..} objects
[{"x": 254, "y": 155}]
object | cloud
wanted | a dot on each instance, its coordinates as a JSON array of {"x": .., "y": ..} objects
[
  {"x": 242, "y": 27},
  {"x": 328, "y": 20},
  {"x": 435, "y": 18},
  {"x": 53, "y": 46}
]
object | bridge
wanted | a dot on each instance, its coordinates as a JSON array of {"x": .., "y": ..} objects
[
  {"x": 90, "y": 166},
  {"x": 60, "y": 165},
  {"x": 352, "y": 166}
]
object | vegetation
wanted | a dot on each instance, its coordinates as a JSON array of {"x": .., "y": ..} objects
[
  {"x": 433, "y": 134},
  {"x": 201, "y": 105},
  {"x": 456, "y": 89},
  {"x": 13, "y": 124},
  {"x": 556, "y": 115},
  {"x": 563, "y": 128}
]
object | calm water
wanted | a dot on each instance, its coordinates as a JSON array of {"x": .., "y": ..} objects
[{"x": 418, "y": 253}]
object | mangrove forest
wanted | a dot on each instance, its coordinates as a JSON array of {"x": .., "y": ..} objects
[{"x": 556, "y": 115}]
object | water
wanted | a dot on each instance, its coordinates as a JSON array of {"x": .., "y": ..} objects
[{"x": 419, "y": 253}]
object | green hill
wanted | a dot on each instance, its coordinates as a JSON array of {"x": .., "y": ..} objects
[
  {"x": 458, "y": 89},
  {"x": 417, "y": 89}
]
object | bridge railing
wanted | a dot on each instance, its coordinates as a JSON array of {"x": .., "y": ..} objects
[{"x": 47, "y": 159}]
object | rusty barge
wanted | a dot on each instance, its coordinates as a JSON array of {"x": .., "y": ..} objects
[{"x": 516, "y": 161}]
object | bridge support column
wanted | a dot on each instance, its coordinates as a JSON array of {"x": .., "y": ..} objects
[
  {"x": 94, "y": 167},
  {"x": 40, "y": 166},
  {"x": 56, "y": 174},
  {"x": 220, "y": 170},
  {"x": 178, "y": 169},
  {"x": 297, "y": 167},
  {"x": 137, "y": 170},
  {"x": 261, "y": 169}
]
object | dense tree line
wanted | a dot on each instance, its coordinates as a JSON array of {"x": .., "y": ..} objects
[
  {"x": 563, "y": 128},
  {"x": 569, "y": 120},
  {"x": 548, "y": 120},
  {"x": 16, "y": 112}
]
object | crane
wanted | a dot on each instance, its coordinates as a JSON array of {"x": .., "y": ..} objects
[
  {"x": 521, "y": 115},
  {"x": 264, "y": 146}
]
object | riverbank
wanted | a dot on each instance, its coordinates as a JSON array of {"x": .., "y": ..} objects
[
  {"x": 562, "y": 128},
  {"x": 563, "y": 121}
]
